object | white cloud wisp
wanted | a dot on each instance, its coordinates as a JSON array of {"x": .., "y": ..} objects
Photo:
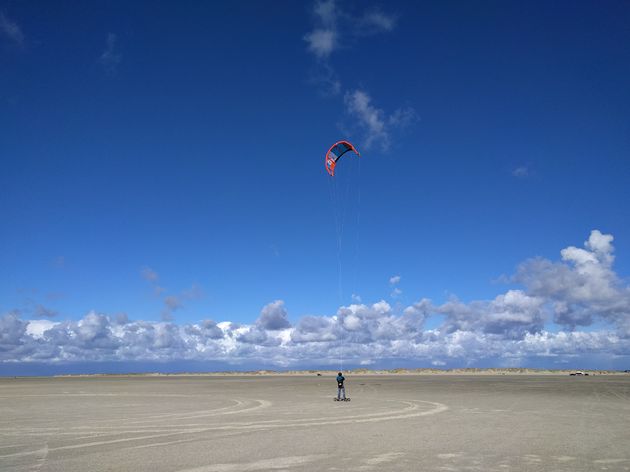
[{"x": 11, "y": 30}]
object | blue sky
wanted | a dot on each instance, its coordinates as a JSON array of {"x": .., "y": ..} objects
[{"x": 163, "y": 164}]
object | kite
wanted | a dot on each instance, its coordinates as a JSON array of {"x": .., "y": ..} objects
[{"x": 335, "y": 152}]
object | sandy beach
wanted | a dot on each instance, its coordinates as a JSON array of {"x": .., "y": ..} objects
[{"x": 290, "y": 422}]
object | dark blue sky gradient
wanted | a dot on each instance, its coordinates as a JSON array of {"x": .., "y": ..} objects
[{"x": 201, "y": 154}]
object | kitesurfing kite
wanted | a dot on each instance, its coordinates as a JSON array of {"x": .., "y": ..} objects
[{"x": 335, "y": 152}]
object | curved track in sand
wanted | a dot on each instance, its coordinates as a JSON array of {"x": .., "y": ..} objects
[{"x": 164, "y": 429}]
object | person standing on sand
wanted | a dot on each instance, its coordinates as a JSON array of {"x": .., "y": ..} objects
[{"x": 341, "y": 390}]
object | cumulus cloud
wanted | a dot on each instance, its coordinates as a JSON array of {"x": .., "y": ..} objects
[
  {"x": 110, "y": 58},
  {"x": 578, "y": 289},
  {"x": 315, "y": 329},
  {"x": 12, "y": 329},
  {"x": 11, "y": 30},
  {"x": 582, "y": 287},
  {"x": 510, "y": 315},
  {"x": 207, "y": 329},
  {"x": 273, "y": 316},
  {"x": 37, "y": 328},
  {"x": 98, "y": 337}
]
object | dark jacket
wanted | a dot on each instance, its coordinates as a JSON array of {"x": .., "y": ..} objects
[{"x": 340, "y": 379}]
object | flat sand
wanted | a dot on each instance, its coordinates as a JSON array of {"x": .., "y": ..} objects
[{"x": 281, "y": 423}]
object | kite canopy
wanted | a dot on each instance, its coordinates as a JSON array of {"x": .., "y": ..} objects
[{"x": 335, "y": 152}]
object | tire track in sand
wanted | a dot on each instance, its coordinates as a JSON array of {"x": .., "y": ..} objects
[{"x": 411, "y": 410}]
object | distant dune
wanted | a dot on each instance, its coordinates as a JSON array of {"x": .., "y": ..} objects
[{"x": 427, "y": 371}]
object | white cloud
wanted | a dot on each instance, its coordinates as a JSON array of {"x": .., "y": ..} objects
[
  {"x": 352, "y": 322},
  {"x": 326, "y": 11},
  {"x": 321, "y": 42},
  {"x": 315, "y": 329},
  {"x": 582, "y": 287},
  {"x": 323, "y": 39},
  {"x": 396, "y": 291},
  {"x": 372, "y": 122},
  {"x": 12, "y": 329},
  {"x": 11, "y": 30},
  {"x": 93, "y": 332},
  {"x": 371, "y": 119},
  {"x": 273, "y": 316},
  {"x": 36, "y": 328},
  {"x": 376, "y": 21},
  {"x": 601, "y": 245},
  {"x": 577, "y": 290},
  {"x": 207, "y": 329},
  {"x": 253, "y": 336},
  {"x": 327, "y": 36}
]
